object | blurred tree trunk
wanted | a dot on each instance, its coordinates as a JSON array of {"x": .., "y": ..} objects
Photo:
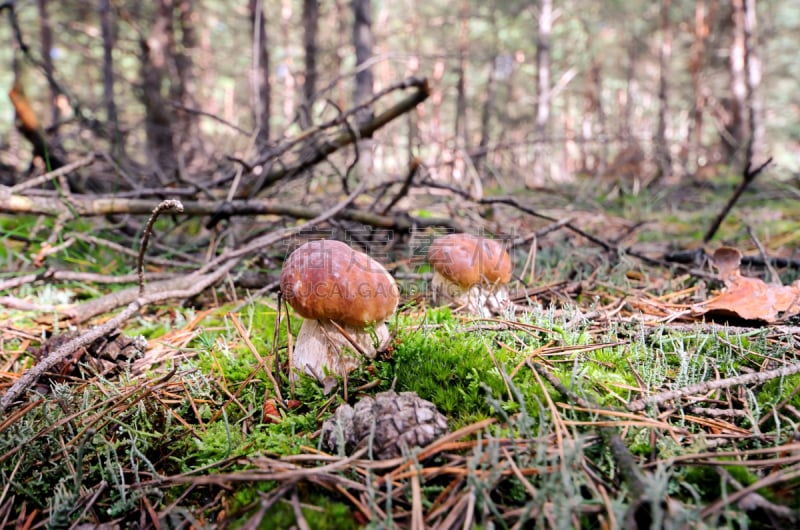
[
  {"x": 184, "y": 91},
  {"x": 736, "y": 126},
  {"x": 697, "y": 63},
  {"x": 158, "y": 115},
  {"x": 310, "y": 27},
  {"x": 461, "y": 129},
  {"x": 260, "y": 73},
  {"x": 435, "y": 126},
  {"x": 340, "y": 27},
  {"x": 287, "y": 69},
  {"x": 362, "y": 42},
  {"x": 412, "y": 70},
  {"x": 461, "y": 126},
  {"x": 568, "y": 161},
  {"x": 172, "y": 127},
  {"x": 46, "y": 34},
  {"x": 625, "y": 131},
  {"x": 479, "y": 160},
  {"x": 107, "y": 30},
  {"x": 754, "y": 150},
  {"x": 538, "y": 175},
  {"x": 662, "y": 147},
  {"x": 508, "y": 102},
  {"x": 593, "y": 151}
]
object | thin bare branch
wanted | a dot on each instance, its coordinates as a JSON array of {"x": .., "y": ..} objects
[{"x": 755, "y": 378}]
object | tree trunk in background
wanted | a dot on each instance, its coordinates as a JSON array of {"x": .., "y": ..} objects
[
  {"x": 310, "y": 26},
  {"x": 662, "y": 147},
  {"x": 362, "y": 42},
  {"x": 287, "y": 68},
  {"x": 540, "y": 167},
  {"x": 158, "y": 115},
  {"x": 511, "y": 137},
  {"x": 185, "y": 88},
  {"x": 736, "y": 126},
  {"x": 412, "y": 70},
  {"x": 416, "y": 116},
  {"x": 107, "y": 31},
  {"x": 260, "y": 73},
  {"x": 435, "y": 127},
  {"x": 461, "y": 89},
  {"x": 593, "y": 150},
  {"x": 754, "y": 152},
  {"x": 697, "y": 55},
  {"x": 625, "y": 131},
  {"x": 340, "y": 28},
  {"x": 602, "y": 125},
  {"x": 479, "y": 160},
  {"x": 461, "y": 129},
  {"x": 46, "y": 33}
]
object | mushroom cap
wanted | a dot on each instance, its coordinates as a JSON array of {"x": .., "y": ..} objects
[
  {"x": 327, "y": 279},
  {"x": 468, "y": 260}
]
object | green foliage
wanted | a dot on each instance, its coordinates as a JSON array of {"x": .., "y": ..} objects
[
  {"x": 219, "y": 441},
  {"x": 470, "y": 368},
  {"x": 63, "y": 446},
  {"x": 451, "y": 369},
  {"x": 320, "y": 512}
]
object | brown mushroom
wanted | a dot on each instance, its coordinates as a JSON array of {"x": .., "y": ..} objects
[
  {"x": 470, "y": 273},
  {"x": 341, "y": 293}
]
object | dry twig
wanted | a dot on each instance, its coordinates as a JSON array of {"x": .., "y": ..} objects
[
  {"x": 748, "y": 176},
  {"x": 169, "y": 204},
  {"x": 755, "y": 378}
]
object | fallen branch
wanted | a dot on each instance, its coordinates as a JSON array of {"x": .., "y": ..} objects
[
  {"x": 32, "y": 375},
  {"x": 748, "y": 176},
  {"x": 412, "y": 171},
  {"x": 697, "y": 256},
  {"x": 56, "y": 173},
  {"x": 154, "y": 291},
  {"x": 196, "y": 283},
  {"x": 72, "y": 276},
  {"x": 514, "y": 203},
  {"x": 84, "y": 206},
  {"x": 325, "y": 149},
  {"x": 169, "y": 204},
  {"x": 701, "y": 388}
]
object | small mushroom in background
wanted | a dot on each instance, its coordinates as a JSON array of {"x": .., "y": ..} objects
[
  {"x": 344, "y": 296},
  {"x": 390, "y": 424},
  {"x": 470, "y": 273}
]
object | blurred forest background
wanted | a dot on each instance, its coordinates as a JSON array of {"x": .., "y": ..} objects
[
  {"x": 384, "y": 123},
  {"x": 189, "y": 92}
]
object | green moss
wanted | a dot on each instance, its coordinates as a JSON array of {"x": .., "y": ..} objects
[
  {"x": 774, "y": 392},
  {"x": 318, "y": 509},
  {"x": 446, "y": 368},
  {"x": 709, "y": 483},
  {"x": 219, "y": 441}
]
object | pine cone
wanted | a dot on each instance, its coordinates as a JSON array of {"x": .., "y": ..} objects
[{"x": 392, "y": 423}]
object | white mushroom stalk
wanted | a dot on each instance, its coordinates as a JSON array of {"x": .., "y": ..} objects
[
  {"x": 324, "y": 348},
  {"x": 470, "y": 274},
  {"x": 345, "y": 296}
]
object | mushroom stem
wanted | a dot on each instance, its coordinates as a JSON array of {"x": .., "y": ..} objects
[
  {"x": 322, "y": 348},
  {"x": 479, "y": 299}
]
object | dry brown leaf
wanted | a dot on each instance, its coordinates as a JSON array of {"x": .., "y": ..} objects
[{"x": 747, "y": 298}]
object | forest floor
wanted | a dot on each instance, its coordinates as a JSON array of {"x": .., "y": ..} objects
[{"x": 609, "y": 396}]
